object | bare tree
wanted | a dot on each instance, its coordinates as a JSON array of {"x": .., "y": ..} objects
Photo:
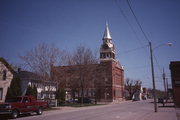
[
  {"x": 39, "y": 60},
  {"x": 84, "y": 59},
  {"x": 132, "y": 86},
  {"x": 76, "y": 70}
]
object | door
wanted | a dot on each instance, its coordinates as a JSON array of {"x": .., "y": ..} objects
[{"x": 28, "y": 107}]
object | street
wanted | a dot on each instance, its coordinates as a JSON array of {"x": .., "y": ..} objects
[{"x": 139, "y": 110}]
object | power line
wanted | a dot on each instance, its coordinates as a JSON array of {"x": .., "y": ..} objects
[
  {"x": 137, "y": 67},
  {"x": 140, "y": 26},
  {"x": 127, "y": 20},
  {"x": 132, "y": 50},
  {"x": 130, "y": 25},
  {"x": 137, "y": 21},
  {"x": 157, "y": 64}
]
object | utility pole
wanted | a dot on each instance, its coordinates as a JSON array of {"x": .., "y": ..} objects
[
  {"x": 152, "y": 69},
  {"x": 164, "y": 79},
  {"x": 167, "y": 88},
  {"x": 153, "y": 79}
]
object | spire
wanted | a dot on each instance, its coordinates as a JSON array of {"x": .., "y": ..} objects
[
  {"x": 107, "y": 50},
  {"x": 107, "y": 33}
]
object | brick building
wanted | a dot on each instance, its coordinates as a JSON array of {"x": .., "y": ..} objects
[
  {"x": 105, "y": 81},
  {"x": 175, "y": 77}
]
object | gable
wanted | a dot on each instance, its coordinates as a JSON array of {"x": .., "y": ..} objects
[{"x": 3, "y": 61}]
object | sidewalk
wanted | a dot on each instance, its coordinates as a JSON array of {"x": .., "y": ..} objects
[
  {"x": 168, "y": 112},
  {"x": 178, "y": 113},
  {"x": 163, "y": 114}
]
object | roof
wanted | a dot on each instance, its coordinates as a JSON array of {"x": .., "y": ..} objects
[
  {"x": 31, "y": 76},
  {"x": 26, "y": 75},
  {"x": 118, "y": 64},
  {"x": 175, "y": 62},
  {"x": 107, "y": 33},
  {"x": 6, "y": 64},
  {"x": 175, "y": 65},
  {"x": 73, "y": 67}
]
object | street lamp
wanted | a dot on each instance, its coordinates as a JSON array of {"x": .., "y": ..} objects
[
  {"x": 152, "y": 69},
  {"x": 167, "y": 44}
]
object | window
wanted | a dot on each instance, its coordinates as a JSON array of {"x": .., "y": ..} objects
[
  {"x": 4, "y": 74},
  {"x": 25, "y": 100},
  {"x": 14, "y": 99},
  {"x": 1, "y": 93}
]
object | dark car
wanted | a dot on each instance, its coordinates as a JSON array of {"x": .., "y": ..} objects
[
  {"x": 70, "y": 101},
  {"x": 160, "y": 100},
  {"x": 85, "y": 100}
]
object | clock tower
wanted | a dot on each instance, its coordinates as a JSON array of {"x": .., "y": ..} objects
[
  {"x": 112, "y": 73},
  {"x": 107, "y": 50}
]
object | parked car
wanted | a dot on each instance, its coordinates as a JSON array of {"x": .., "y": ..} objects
[
  {"x": 160, "y": 100},
  {"x": 20, "y": 105},
  {"x": 69, "y": 101},
  {"x": 85, "y": 100}
]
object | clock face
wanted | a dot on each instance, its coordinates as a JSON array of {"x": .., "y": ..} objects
[{"x": 105, "y": 46}]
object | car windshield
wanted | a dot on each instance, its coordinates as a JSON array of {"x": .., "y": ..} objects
[{"x": 15, "y": 99}]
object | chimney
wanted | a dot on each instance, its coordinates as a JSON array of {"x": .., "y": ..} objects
[{"x": 19, "y": 70}]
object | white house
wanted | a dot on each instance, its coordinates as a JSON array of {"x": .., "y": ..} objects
[
  {"x": 140, "y": 94},
  {"x": 45, "y": 89},
  {"x": 6, "y": 76}
]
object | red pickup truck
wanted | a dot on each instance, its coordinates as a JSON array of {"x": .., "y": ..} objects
[{"x": 22, "y": 104}]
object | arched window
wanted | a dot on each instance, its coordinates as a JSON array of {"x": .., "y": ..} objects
[
  {"x": 4, "y": 74},
  {"x": 104, "y": 55}
]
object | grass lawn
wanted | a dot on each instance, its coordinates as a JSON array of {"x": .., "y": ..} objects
[
  {"x": 76, "y": 105},
  {"x": 79, "y": 105},
  {"x": 52, "y": 108}
]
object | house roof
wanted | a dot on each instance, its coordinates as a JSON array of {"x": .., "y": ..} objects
[
  {"x": 26, "y": 75},
  {"x": 31, "y": 76},
  {"x": 6, "y": 64}
]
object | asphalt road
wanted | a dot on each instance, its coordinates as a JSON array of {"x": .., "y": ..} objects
[{"x": 140, "y": 110}]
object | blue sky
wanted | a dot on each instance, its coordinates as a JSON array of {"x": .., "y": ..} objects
[{"x": 70, "y": 23}]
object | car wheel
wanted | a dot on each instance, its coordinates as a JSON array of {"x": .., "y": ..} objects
[
  {"x": 39, "y": 111},
  {"x": 14, "y": 114}
]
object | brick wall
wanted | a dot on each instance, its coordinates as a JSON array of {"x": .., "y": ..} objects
[
  {"x": 175, "y": 76},
  {"x": 106, "y": 78}
]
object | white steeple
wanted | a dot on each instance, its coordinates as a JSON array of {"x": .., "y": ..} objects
[
  {"x": 107, "y": 35},
  {"x": 107, "y": 50}
]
